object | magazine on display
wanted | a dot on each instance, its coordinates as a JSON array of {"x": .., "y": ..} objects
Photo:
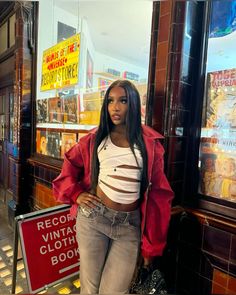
[
  {"x": 53, "y": 144},
  {"x": 67, "y": 141},
  {"x": 55, "y": 110},
  {"x": 69, "y": 108},
  {"x": 41, "y": 142},
  {"x": 42, "y": 110},
  {"x": 92, "y": 103}
]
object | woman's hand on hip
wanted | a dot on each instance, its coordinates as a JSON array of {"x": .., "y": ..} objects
[{"x": 87, "y": 199}]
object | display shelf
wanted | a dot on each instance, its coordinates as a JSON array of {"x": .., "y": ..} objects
[{"x": 61, "y": 126}]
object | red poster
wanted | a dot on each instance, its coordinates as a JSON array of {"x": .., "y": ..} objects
[{"x": 49, "y": 248}]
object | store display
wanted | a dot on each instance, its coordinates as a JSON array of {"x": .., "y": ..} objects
[
  {"x": 67, "y": 141},
  {"x": 55, "y": 110},
  {"x": 218, "y": 138},
  {"x": 41, "y": 142},
  {"x": 92, "y": 103},
  {"x": 69, "y": 109},
  {"x": 42, "y": 110},
  {"x": 53, "y": 144}
]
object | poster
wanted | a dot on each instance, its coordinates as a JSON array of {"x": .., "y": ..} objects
[
  {"x": 60, "y": 65},
  {"x": 218, "y": 137}
]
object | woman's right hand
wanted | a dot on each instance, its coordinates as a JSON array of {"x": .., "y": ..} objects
[{"x": 88, "y": 200}]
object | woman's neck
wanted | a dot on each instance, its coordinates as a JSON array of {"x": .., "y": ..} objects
[{"x": 120, "y": 129}]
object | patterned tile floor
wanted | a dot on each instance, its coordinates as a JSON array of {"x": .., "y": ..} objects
[{"x": 6, "y": 265}]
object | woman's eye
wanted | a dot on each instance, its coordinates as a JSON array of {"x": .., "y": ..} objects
[
  {"x": 109, "y": 101},
  {"x": 124, "y": 100}
]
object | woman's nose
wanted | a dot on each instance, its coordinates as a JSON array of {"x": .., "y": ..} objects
[{"x": 115, "y": 106}]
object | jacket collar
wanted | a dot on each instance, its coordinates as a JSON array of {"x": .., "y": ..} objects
[{"x": 147, "y": 131}]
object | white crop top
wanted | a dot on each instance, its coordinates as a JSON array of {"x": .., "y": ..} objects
[{"x": 119, "y": 176}]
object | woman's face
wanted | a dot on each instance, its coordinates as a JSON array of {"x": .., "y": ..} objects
[{"x": 117, "y": 105}]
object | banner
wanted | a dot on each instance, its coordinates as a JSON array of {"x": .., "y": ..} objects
[{"x": 60, "y": 65}]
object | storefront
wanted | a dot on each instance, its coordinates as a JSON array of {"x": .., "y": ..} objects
[
  {"x": 180, "y": 55},
  {"x": 80, "y": 52}
]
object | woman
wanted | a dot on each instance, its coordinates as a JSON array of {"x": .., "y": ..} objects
[{"x": 112, "y": 175}]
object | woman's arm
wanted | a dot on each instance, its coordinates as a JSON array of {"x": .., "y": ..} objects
[{"x": 158, "y": 209}]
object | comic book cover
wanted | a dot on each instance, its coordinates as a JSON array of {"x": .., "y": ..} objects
[
  {"x": 69, "y": 107},
  {"x": 53, "y": 144},
  {"x": 218, "y": 165},
  {"x": 55, "y": 110},
  {"x": 42, "y": 110},
  {"x": 221, "y": 99},
  {"x": 41, "y": 142},
  {"x": 67, "y": 141}
]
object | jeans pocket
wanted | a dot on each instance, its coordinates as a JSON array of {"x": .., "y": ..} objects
[{"x": 88, "y": 212}]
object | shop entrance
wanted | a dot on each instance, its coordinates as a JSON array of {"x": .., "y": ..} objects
[{"x": 5, "y": 94}]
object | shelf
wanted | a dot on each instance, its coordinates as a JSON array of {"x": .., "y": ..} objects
[{"x": 65, "y": 126}]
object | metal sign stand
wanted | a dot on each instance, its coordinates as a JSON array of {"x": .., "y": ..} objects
[{"x": 15, "y": 260}]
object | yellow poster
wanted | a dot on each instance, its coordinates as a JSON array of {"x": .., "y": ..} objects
[{"x": 60, "y": 64}]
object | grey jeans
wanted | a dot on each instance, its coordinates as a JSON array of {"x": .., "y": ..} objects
[{"x": 109, "y": 243}]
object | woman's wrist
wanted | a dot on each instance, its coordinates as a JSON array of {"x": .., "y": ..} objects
[{"x": 147, "y": 261}]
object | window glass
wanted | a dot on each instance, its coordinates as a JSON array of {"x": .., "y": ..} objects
[
  {"x": 83, "y": 46},
  {"x": 217, "y": 161},
  {"x": 3, "y": 38},
  {"x": 12, "y": 21}
]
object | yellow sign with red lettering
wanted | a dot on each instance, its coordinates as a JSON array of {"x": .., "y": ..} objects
[{"x": 60, "y": 66}]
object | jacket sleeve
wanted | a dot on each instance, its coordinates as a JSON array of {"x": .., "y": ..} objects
[
  {"x": 67, "y": 186},
  {"x": 158, "y": 208}
]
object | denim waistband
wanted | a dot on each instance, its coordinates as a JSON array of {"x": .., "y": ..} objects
[{"x": 106, "y": 211}]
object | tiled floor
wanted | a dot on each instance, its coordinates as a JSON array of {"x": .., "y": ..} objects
[{"x": 6, "y": 265}]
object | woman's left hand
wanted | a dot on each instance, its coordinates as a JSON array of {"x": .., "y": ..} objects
[{"x": 147, "y": 261}]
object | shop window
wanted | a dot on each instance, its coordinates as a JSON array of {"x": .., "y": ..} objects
[
  {"x": 217, "y": 160},
  {"x": 82, "y": 48},
  {"x": 3, "y": 37}
]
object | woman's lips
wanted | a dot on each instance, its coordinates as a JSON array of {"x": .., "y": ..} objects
[{"x": 115, "y": 117}]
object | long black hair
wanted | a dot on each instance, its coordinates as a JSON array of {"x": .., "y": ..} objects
[{"x": 133, "y": 129}]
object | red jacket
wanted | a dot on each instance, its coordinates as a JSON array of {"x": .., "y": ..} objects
[{"x": 156, "y": 204}]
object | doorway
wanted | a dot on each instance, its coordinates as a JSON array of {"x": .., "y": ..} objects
[{"x": 6, "y": 138}]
